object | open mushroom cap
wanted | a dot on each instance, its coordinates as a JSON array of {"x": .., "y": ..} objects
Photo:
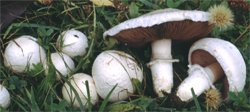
[
  {"x": 165, "y": 23},
  {"x": 210, "y": 50}
]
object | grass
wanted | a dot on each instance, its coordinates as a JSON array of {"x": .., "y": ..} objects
[{"x": 36, "y": 92}]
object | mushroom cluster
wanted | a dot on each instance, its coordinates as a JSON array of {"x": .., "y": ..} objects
[
  {"x": 114, "y": 72},
  {"x": 159, "y": 28},
  {"x": 22, "y": 53},
  {"x": 71, "y": 43}
]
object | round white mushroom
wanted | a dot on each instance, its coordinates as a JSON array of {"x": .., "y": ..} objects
[
  {"x": 210, "y": 59},
  {"x": 63, "y": 64},
  {"x": 22, "y": 53},
  {"x": 77, "y": 81},
  {"x": 4, "y": 97},
  {"x": 112, "y": 68},
  {"x": 72, "y": 42}
]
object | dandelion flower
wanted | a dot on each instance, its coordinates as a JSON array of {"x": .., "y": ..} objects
[
  {"x": 213, "y": 98},
  {"x": 221, "y": 16}
]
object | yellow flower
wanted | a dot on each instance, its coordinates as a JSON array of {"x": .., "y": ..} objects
[
  {"x": 213, "y": 98},
  {"x": 221, "y": 16}
]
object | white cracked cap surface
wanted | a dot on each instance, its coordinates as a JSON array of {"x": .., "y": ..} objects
[
  {"x": 115, "y": 67},
  {"x": 72, "y": 42},
  {"x": 22, "y": 52}
]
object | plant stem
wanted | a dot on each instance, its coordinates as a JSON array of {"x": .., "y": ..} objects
[{"x": 242, "y": 34}]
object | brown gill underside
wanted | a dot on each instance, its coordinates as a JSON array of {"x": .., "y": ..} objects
[{"x": 178, "y": 30}]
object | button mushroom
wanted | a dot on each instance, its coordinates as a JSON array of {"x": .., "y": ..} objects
[
  {"x": 112, "y": 68},
  {"x": 159, "y": 27},
  {"x": 4, "y": 97},
  {"x": 72, "y": 42},
  {"x": 22, "y": 53},
  {"x": 210, "y": 59},
  {"x": 62, "y": 63},
  {"x": 77, "y": 81}
]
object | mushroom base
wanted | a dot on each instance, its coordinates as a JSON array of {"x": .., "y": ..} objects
[{"x": 162, "y": 74}]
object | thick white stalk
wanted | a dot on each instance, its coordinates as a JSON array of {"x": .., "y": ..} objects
[
  {"x": 200, "y": 79},
  {"x": 161, "y": 49},
  {"x": 161, "y": 66}
]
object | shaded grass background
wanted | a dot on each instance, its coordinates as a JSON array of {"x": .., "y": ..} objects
[{"x": 35, "y": 92}]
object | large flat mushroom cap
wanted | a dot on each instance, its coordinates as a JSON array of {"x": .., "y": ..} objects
[
  {"x": 165, "y": 23},
  {"x": 209, "y": 50}
]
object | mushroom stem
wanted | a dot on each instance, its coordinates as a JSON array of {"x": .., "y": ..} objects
[
  {"x": 216, "y": 72},
  {"x": 205, "y": 76},
  {"x": 161, "y": 49},
  {"x": 161, "y": 66}
]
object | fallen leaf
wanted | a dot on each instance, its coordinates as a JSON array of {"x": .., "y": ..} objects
[{"x": 103, "y": 3}]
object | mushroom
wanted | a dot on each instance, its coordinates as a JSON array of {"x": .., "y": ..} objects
[
  {"x": 22, "y": 53},
  {"x": 62, "y": 63},
  {"x": 112, "y": 68},
  {"x": 210, "y": 59},
  {"x": 159, "y": 28},
  {"x": 77, "y": 81},
  {"x": 4, "y": 97},
  {"x": 72, "y": 42}
]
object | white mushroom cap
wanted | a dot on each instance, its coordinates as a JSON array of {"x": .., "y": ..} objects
[
  {"x": 21, "y": 53},
  {"x": 158, "y": 17},
  {"x": 229, "y": 58},
  {"x": 4, "y": 97},
  {"x": 115, "y": 67},
  {"x": 63, "y": 64},
  {"x": 78, "y": 82},
  {"x": 72, "y": 42}
]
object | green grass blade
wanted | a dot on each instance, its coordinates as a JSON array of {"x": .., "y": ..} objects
[
  {"x": 198, "y": 107},
  {"x": 89, "y": 97},
  {"x": 76, "y": 94},
  {"x": 105, "y": 101},
  {"x": 81, "y": 62},
  {"x": 149, "y": 4},
  {"x": 32, "y": 98},
  {"x": 29, "y": 25},
  {"x": 20, "y": 105},
  {"x": 34, "y": 26}
]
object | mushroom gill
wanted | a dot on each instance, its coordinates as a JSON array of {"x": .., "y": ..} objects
[{"x": 179, "y": 30}]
